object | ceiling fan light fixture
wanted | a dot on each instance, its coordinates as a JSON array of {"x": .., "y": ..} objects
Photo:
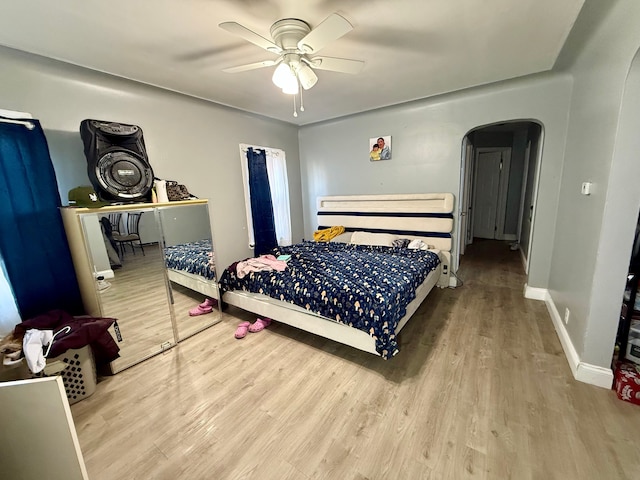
[
  {"x": 283, "y": 76},
  {"x": 291, "y": 88},
  {"x": 307, "y": 76}
]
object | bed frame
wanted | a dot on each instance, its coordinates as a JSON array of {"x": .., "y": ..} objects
[
  {"x": 197, "y": 283},
  {"x": 428, "y": 217}
]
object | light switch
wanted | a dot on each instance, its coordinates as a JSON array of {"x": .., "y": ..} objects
[{"x": 586, "y": 188}]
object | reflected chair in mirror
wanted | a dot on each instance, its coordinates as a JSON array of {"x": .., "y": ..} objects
[
  {"x": 132, "y": 235},
  {"x": 114, "y": 220}
]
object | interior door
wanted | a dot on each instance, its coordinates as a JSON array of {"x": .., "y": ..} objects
[
  {"x": 465, "y": 219},
  {"x": 528, "y": 205},
  {"x": 486, "y": 194},
  {"x": 523, "y": 194}
]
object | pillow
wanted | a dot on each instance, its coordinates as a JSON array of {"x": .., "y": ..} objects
[
  {"x": 342, "y": 238},
  {"x": 367, "y": 238},
  {"x": 418, "y": 244},
  {"x": 401, "y": 242}
]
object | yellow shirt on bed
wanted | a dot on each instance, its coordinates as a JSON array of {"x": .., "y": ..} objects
[{"x": 327, "y": 234}]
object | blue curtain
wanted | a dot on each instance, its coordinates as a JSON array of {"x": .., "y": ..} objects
[
  {"x": 264, "y": 229},
  {"x": 32, "y": 240}
]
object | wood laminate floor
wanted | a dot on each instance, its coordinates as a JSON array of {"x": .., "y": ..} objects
[
  {"x": 139, "y": 299},
  {"x": 480, "y": 389}
]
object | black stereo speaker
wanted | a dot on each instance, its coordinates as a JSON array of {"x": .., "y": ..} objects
[{"x": 117, "y": 161}]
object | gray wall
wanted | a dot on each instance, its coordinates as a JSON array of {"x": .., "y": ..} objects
[
  {"x": 427, "y": 149},
  {"x": 594, "y": 233},
  {"x": 187, "y": 139}
]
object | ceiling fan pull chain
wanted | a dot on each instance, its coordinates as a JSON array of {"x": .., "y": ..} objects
[
  {"x": 301, "y": 101},
  {"x": 295, "y": 112}
]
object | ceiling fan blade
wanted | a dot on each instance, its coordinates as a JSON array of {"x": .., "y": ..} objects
[
  {"x": 251, "y": 66},
  {"x": 343, "y": 65},
  {"x": 331, "y": 28},
  {"x": 250, "y": 36}
]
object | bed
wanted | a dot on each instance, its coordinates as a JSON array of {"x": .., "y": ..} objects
[
  {"x": 191, "y": 265},
  {"x": 373, "y": 222}
]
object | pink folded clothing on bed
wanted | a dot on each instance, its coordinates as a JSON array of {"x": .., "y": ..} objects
[{"x": 263, "y": 263}]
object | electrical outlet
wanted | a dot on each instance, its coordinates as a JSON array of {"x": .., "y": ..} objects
[{"x": 566, "y": 316}]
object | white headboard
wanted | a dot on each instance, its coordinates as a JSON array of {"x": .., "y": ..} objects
[{"x": 428, "y": 216}]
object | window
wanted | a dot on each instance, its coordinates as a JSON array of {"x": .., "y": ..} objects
[
  {"x": 279, "y": 186},
  {"x": 9, "y": 316}
]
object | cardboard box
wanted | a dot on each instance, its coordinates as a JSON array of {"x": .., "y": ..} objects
[{"x": 627, "y": 382}]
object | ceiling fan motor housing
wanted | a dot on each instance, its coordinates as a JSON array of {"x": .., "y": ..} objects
[
  {"x": 117, "y": 162},
  {"x": 288, "y": 32}
]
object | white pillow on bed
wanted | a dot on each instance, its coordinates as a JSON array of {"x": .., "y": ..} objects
[
  {"x": 342, "y": 238},
  {"x": 418, "y": 244},
  {"x": 367, "y": 238}
]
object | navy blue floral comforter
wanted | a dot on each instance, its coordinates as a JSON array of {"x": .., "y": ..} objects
[
  {"x": 192, "y": 257},
  {"x": 365, "y": 287}
]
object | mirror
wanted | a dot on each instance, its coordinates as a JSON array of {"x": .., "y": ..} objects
[
  {"x": 190, "y": 265},
  {"x": 131, "y": 285},
  {"x": 150, "y": 268}
]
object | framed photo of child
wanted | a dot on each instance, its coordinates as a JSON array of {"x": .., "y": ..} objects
[{"x": 380, "y": 148}]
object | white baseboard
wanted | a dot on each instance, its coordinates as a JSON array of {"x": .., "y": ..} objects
[
  {"x": 583, "y": 372},
  {"x": 525, "y": 263},
  {"x": 535, "y": 293},
  {"x": 104, "y": 273}
]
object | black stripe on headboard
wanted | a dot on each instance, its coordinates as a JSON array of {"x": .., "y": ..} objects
[
  {"x": 395, "y": 232},
  {"x": 390, "y": 214}
]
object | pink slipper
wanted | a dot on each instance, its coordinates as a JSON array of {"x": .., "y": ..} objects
[
  {"x": 200, "y": 310},
  {"x": 241, "y": 331},
  {"x": 209, "y": 302},
  {"x": 259, "y": 325}
]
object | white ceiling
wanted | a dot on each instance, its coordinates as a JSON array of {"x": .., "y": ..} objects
[{"x": 411, "y": 48}]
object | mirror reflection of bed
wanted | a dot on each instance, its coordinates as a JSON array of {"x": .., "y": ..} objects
[
  {"x": 135, "y": 287},
  {"x": 190, "y": 265},
  {"x": 147, "y": 321}
]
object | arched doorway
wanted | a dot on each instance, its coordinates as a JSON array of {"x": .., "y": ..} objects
[{"x": 498, "y": 184}]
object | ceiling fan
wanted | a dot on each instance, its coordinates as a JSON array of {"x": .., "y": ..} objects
[{"x": 296, "y": 45}]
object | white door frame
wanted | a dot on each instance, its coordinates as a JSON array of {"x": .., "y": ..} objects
[
  {"x": 534, "y": 197},
  {"x": 464, "y": 213},
  {"x": 525, "y": 177}
]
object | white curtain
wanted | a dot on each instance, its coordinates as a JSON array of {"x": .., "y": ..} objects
[
  {"x": 9, "y": 315},
  {"x": 279, "y": 186}
]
